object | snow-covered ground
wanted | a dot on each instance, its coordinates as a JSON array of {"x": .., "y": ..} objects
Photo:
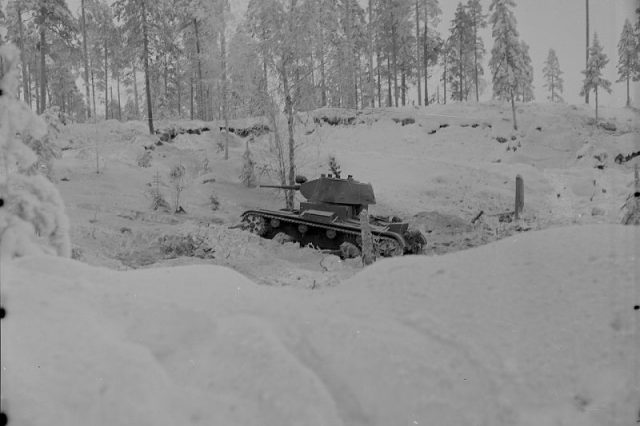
[{"x": 538, "y": 328}]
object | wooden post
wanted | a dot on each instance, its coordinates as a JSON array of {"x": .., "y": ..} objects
[
  {"x": 368, "y": 255},
  {"x": 519, "y": 197}
]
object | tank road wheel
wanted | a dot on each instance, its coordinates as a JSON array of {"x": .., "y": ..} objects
[
  {"x": 416, "y": 241},
  {"x": 389, "y": 247},
  {"x": 255, "y": 224}
]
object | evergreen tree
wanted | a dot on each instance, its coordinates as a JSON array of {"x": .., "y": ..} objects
[
  {"x": 593, "y": 73},
  {"x": 478, "y": 21},
  {"x": 136, "y": 16},
  {"x": 525, "y": 91},
  {"x": 460, "y": 54},
  {"x": 628, "y": 57},
  {"x": 431, "y": 40},
  {"x": 552, "y": 75},
  {"x": 281, "y": 29},
  {"x": 506, "y": 64},
  {"x": 32, "y": 219}
]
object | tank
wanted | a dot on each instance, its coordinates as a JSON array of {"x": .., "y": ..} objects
[{"x": 329, "y": 218}]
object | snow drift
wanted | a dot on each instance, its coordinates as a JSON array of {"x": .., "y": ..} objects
[{"x": 537, "y": 329}]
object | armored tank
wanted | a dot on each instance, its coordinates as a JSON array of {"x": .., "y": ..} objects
[{"x": 329, "y": 218}]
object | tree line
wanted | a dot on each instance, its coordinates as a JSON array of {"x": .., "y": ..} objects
[{"x": 304, "y": 54}]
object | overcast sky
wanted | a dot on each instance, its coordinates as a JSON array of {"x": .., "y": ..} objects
[{"x": 545, "y": 24}]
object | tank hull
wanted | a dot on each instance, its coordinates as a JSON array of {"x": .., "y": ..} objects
[{"x": 327, "y": 231}]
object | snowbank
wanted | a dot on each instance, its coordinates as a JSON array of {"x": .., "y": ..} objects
[{"x": 535, "y": 329}]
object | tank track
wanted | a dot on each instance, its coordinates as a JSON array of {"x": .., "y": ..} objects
[{"x": 387, "y": 245}]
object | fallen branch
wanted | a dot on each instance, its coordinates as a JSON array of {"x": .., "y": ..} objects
[{"x": 475, "y": 219}]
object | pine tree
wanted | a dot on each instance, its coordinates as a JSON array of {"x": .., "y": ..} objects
[
  {"x": 526, "y": 70},
  {"x": 505, "y": 63},
  {"x": 552, "y": 75},
  {"x": 32, "y": 219},
  {"x": 460, "y": 53},
  {"x": 282, "y": 31},
  {"x": 593, "y": 73},
  {"x": 136, "y": 18},
  {"x": 431, "y": 40},
  {"x": 478, "y": 21},
  {"x": 628, "y": 57}
]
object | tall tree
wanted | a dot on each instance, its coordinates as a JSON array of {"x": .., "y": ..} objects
[
  {"x": 593, "y": 73},
  {"x": 478, "y": 21},
  {"x": 526, "y": 69},
  {"x": 431, "y": 40},
  {"x": 136, "y": 16},
  {"x": 460, "y": 57},
  {"x": 586, "y": 50},
  {"x": 15, "y": 12},
  {"x": 52, "y": 17},
  {"x": 505, "y": 62},
  {"x": 628, "y": 57},
  {"x": 553, "y": 76},
  {"x": 85, "y": 57},
  {"x": 281, "y": 28}
]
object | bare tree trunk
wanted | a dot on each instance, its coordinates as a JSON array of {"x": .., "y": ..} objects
[
  {"x": 119, "y": 105},
  {"x": 444, "y": 82},
  {"x": 85, "y": 57},
  {"x": 135, "y": 90},
  {"x": 200, "y": 100},
  {"x": 93, "y": 93},
  {"x": 43, "y": 70},
  {"x": 191, "y": 95},
  {"x": 178, "y": 88},
  {"x": 36, "y": 80},
  {"x": 379, "y": 78},
  {"x": 395, "y": 64},
  {"x": 288, "y": 106},
  {"x": 403, "y": 87},
  {"x": 419, "y": 80},
  {"x": 323, "y": 81},
  {"x": 513, "y": 111},
  {"x": 106, "y": 82},
  {"x": 596, "y": 90},
  {"x": 145, "y": 43},
  {"x": 26, "y": 94},
  {"x": 370, "y": 45},
  {"x": 628, "y": 98},
  {"x": 460, "y": 88},
  {"x": 225, "y": 107},
  {"x": 426, "y": 52},
  {"x": 586, "y": 92},
  {"x": 30, "y": 83},
  {"x": 389, "y": 98},
  {"x": 111, "y": 102},
  {"x": 165, "y": 76}
]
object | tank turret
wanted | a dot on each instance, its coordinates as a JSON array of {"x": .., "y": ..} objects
[
  {"x": 330, "y": 218},
  {"x": 327, "y": 191}
]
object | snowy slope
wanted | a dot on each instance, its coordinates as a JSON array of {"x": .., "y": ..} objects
[{"x": 537, "y": 329}]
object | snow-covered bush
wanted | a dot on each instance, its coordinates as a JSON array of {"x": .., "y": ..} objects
[
  {"x": 32, "y": 219},
  {"x": 189, "y": 245},
  {"x": 334, "y": 166},
  {"x": 158, "y": 202},
  {"x": 178, "y": 180},
  {"x": 248, "y": 173}
]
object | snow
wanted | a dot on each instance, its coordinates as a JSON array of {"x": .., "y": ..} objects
[{"x": 536, "y": 329}]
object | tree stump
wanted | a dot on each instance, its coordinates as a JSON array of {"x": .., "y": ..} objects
[{"x": 519, "y": 197}]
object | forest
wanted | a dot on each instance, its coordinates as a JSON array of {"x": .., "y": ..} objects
[{"x": 141, "y": 59}]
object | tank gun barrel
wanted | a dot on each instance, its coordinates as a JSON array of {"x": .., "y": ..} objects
[{"x": 293, "y": 187}]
